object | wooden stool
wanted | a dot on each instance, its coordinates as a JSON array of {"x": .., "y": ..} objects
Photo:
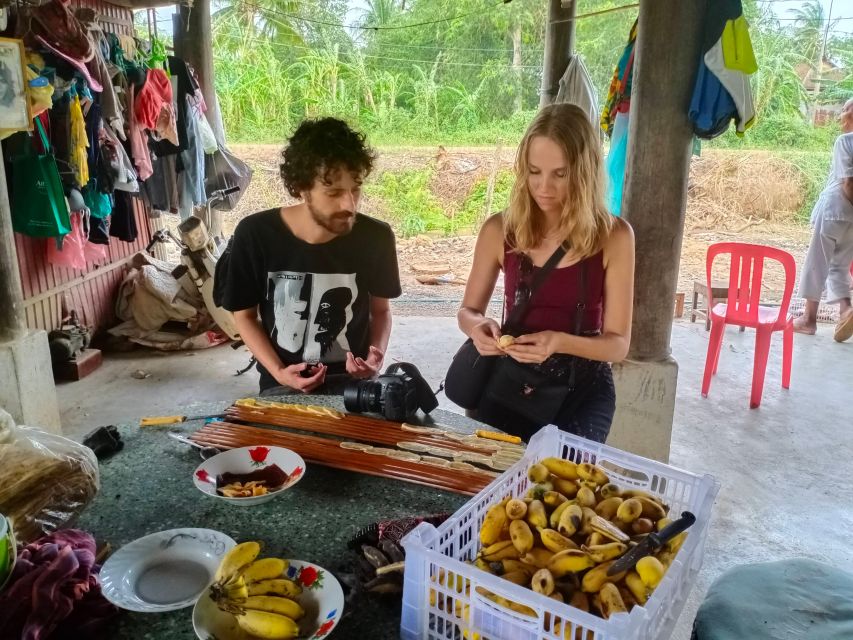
[{"x": 719, "y": 293}]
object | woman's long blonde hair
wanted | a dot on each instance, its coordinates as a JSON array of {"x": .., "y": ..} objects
[{"x": 585, "y": 221}]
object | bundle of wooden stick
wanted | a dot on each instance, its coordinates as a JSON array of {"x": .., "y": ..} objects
[{"x": 424, "y": 455}]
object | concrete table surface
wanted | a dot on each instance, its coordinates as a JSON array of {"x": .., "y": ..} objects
[{"x": 147, "y": 487}]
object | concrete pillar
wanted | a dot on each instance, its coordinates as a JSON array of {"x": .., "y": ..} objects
[
  {"x": 27, "y": 391},
  {"x": 668, "y": 48},
  {"x": 559, "y": 45}
]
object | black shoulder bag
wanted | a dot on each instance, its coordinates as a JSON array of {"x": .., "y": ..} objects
[
  {"x": 530, "y": 391},
  {"x": 469, "y": 373}
]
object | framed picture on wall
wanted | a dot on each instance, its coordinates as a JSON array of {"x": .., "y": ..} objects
[{"x": 14, "y": 105}]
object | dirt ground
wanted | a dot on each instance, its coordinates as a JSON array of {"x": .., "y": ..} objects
[{"x": 748, "y": 197}]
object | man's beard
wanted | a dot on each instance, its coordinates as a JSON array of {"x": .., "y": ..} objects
[{"x": 339, "y": 223}]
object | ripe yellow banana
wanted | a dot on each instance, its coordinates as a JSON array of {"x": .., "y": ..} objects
[
  {"x": 555, "y": 542},
  {"x": 608, "y": 507},
  {"x": 554, "y": 499},
  {"x": 650, "y": 570},
  {"x": 275, "y": 587},
  {"x": 611, "y": 490},
  {"x": 510, "y": 565},
  {"x": 611, "y": 600},
  {"x": 542, "y": 582},
  {"x": 569, "y": 561},
  {"x": 493, "y": 523},
  {"x": 604, "y": 552},
  {"x": 554, "y": 518},
  {"x": 536, "y": 516},
  {"x": 597, "y": 577},
  {"x": 674, "y": 544},
  {"x": 275, "y": 604},
  {"x": 586, "y": 497},
  {"x": 593, "y": 473},
  {"x": 516, "y": 509},
  {"x": 522, "y": 537},
  {"x": 537, "y": 557},
  {"x": 652, "y": 509},
  {"x": 570, "y": 520},
  {"x": 538, "y": 473},
  {"x": 568, "y": 488},
  {"x": 264, "y": 569},
  {"x": 629, "y": 510},
  {"x": 565, "y": 469},
  {"x": 499, "y": 551},
  {"x": 521, "y": 578},
  {"x": 586, "y": 521},
  {"x": 270, "y": 626},
  {"x": 483, "y": 565},
  {"x": 635, "y": 585},
  {"x": 642, "y": 526},
  {"x": 236, "y": 558}
]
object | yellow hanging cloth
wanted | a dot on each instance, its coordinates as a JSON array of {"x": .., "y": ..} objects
[
  {"x": 737, "y": 46},
  {"x": 79, "y": 143}
]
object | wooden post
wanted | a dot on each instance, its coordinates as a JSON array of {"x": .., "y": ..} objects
[
  {"x": 559, "y": 45},
  {"x": 12, "y": 324},
  {"x": 669, "y": 40},
  {"x": 194, "y": 44}
]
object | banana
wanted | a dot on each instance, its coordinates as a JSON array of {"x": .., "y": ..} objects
[
  {"x": 536, "y": 516},
  {"x": 542, "y": 582},
  {"x": 611, "y": 600},
  {"x": 275, "y": 604},
  {"x": 522, "y": 537},
  {"x": 568, "y": 488},
  {"x": 275, "y": 587},
  {"x": 596, "y": 539},
  {"x": 627, "y": 597},
  {"x": 483, "y": 565},
  {"x": 597, "y": 577},
  {"x": 537, "y": 557},
  {"x": 264, "y": 569},
  {"x": 493, "y": 523},
  {"x": 229, "y": 590},
  {"x": 516, "y": 509},
  {"x": 555, "y": 542},
  {"x": 635, "y": 585},
  {"x": 586, "y": 497},
  {"x": 270, "y": 626},
  {"x": 538, "y": 473},
  {"x": 604, "y": 552},
  {"x": 565, "y": 469},
  {"x": 499, "y": 551},
  {"x": 510, "y": 565},
  {"x": 537, "y": 491},
  {"x": 554, "y": 499},
  {"x": 517, "y": 577},
  {"x": 611, "y": 490},
  {"x": 236, "y": 558},
  {"x": 608, "y": 506},
  {"x": 570, "y": 520},
  {"x": 629, "y": 510},
  {"x": 586, "y": 521},
  {"x": 554, "y": 518},
  {"x": 661, "y": 524},
  {"x": 666, "y": 558},
  {"x": 608, "y": 530},
  {"x": 580, "y": 601},
  {"x": 650, "y": 570},
  {"x": 569, "y": 561},
  {"x": 642, "y": 526},
  {"x": 639, "y": 493},
  {"x": 674, "y": 545},
  {"x": 593, "y": 473},
  {"x": 652, "y": 509}
]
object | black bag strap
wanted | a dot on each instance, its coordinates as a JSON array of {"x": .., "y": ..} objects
[{"x": 519, "y": 311}]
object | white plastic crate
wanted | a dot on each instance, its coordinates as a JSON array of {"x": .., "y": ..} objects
[{"x": 435, "y": 559}]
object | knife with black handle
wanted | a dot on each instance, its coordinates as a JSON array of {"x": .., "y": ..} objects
[{"x": 652, "y": 543}]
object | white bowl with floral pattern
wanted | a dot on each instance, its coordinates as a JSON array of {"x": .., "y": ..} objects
[
  {"x": 321, "y": 597},
  {"x": 246, "y": 460}
]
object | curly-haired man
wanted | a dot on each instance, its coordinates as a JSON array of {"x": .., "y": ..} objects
[{"x": 309, "y": 284}]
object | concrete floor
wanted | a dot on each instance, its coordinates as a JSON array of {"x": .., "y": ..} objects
[{"x": 785, "y": 468}]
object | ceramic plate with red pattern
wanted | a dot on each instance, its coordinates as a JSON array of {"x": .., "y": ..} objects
[
  {"x": 251, "y": 463},
  {"x": 321, "y": 597}
]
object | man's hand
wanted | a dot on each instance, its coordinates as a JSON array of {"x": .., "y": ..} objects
[
  {"x": 534, "y": 347},
  {"x": 485, "y": 335},
  {"x": 290, "y": 376},
  {"x": 367, "y": 367}
]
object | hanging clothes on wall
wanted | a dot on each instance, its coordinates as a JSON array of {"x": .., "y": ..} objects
[
  {"x": 722, "y": 92},
  {"x": 576, "y": 88}
]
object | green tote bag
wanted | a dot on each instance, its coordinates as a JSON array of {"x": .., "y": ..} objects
[{"x": 39, "y": 208}]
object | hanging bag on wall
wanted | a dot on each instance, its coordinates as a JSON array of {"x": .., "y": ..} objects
[{"x": 39, "y": 208}]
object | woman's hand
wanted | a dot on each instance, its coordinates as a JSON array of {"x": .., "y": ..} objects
[
  {"x": 485, "y": 335},
  {"x": 534, "y": 348}
]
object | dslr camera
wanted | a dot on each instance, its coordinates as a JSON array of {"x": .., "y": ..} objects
[{"x": 397, "y": 394}]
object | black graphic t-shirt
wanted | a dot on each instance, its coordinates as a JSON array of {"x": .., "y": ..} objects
[{"x": 313, "y": 299}]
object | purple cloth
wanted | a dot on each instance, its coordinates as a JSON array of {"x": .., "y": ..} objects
[{"x": 54, "y": 590}]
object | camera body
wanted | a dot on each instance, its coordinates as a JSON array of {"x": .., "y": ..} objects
[{"x": 397, "y": 394}]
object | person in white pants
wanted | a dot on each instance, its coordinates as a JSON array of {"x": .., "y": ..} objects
[{"x": 830, "y": 254}]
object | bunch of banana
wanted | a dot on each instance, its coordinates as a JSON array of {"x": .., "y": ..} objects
[
  {"x": 561, "y": 538},
  {"x": 257, "y": 593}
]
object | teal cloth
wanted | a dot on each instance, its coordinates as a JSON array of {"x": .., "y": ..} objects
[{"x": 786, "y": 600}]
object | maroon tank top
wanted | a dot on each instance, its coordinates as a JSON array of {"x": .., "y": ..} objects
[{"x": 554, "y": 306}]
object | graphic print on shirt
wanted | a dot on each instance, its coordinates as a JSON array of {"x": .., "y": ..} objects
[{"x": 312, "y": 312}]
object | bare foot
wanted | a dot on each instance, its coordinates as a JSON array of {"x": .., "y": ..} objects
[
  {"x": 844, "y": 328},
  {"x": 801, "y": 325}
]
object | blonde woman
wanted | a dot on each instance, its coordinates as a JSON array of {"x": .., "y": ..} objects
[{"x": 578, "y": 319}]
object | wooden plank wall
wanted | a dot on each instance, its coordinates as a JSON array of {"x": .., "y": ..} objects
[{"x": 91, "y": 292}]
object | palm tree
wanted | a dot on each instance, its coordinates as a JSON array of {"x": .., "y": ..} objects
[
  {"x": 810, "y": 25},
  {"x": 379, "y": 13},
  {"x": 270, "y": 19}
]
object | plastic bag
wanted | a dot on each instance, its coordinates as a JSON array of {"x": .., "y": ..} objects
[
  {"x": 46, "y": 480},
  {"x": 222, "y": 170},
  {"x": 72, "y": 255},
  {"x": 208, "y": 138}
]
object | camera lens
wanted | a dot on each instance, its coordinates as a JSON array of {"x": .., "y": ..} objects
[{"x": 362, "y": 396}]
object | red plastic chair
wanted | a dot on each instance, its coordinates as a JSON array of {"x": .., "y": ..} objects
[{"x": 744, "y": 310}]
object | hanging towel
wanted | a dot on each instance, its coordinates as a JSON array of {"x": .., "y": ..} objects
[{"x": 576, "y": 88}]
